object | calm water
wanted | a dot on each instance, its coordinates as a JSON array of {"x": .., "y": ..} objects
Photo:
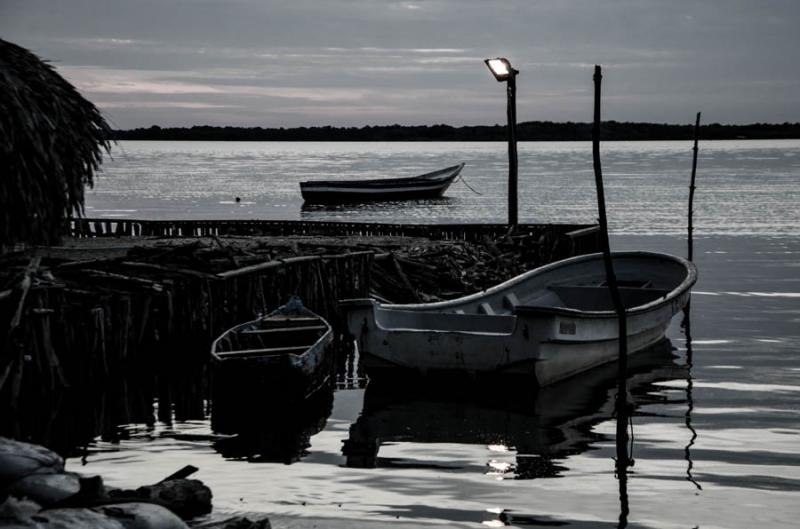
[
  {"x": 716, "y": 440},
  {"x": 746, "y": 187}
]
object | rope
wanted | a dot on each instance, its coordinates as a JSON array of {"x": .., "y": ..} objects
[{"x": 461, "y": 177}]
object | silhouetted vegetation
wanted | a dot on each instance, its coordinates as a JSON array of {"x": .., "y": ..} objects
[
  {"x": 529, "y": 131},
  {"x": 51, "y": 144}
]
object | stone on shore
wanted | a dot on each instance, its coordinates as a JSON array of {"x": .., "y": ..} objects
[{"x": 19, "y": 459}]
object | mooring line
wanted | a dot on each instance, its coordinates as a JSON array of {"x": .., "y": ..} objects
[{"x": 461, "y": 177}]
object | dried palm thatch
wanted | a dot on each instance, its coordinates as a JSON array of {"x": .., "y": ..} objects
[{"x": 51, "y": 144}]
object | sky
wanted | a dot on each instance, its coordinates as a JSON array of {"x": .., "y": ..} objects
[{"x": 418, "y": 62}]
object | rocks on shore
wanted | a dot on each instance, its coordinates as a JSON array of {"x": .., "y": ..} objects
[{"x": 35, "y": 491}]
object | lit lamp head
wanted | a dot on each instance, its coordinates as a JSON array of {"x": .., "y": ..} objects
[{"x": 501, "y": 68}]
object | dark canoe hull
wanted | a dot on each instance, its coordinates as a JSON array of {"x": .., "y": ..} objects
[
  {"x": 269, "y": 433},
  {"x": 286, "y": 359},
  {"x": 430, "y": 185}
]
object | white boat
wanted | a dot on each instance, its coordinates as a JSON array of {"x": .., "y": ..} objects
[{"x": 550, "y": 323}]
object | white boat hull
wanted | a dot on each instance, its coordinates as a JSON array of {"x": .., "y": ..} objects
[{"x": 528, "y": 325}]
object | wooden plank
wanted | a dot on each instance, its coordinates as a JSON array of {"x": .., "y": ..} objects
[
  {"x": 470, "y": 231},
  {"x": 265, "y": 352},
  {"x": 287, "y": 320},
  {"x": 285, "y": 329},
  {"x": 283, "y": 262},
  {"x": 266, "y": 266},
  {"x": 164, "y": 268},
  {"x": 591, "y": 230}
]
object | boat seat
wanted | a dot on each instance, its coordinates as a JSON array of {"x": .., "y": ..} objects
[
  {"x": 511, "y": 301},
  {"x": 263, "y": 352},
  {"x": 248, "y": 339},
  {"x": 285, "y": 329},
  {"x": 596, "y": 297},
  {"x": 287, "y": 321},
  {"x": 485, "y": 308}
]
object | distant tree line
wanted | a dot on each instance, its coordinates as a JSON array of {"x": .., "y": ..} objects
[{"x": 528, "y": 131}]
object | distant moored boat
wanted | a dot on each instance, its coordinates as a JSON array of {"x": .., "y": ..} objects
[{"x": 429, "y": 185}]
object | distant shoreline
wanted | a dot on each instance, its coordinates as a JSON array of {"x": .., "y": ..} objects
[{"x": 528, "y": 131}]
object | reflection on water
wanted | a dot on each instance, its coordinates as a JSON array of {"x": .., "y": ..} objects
[
  {"x": 540, "y": 427},
  {"x": 268, "y": 431},
  {"x": 346, "y": 212},
  {"x": 687, "y": 332}
]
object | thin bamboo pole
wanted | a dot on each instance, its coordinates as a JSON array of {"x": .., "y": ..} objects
[
  {"x": 692, "y": 187},
  {"x": 623, "y": 460}
]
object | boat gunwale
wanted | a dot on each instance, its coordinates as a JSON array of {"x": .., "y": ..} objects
[{"x": 679, "y": 290}]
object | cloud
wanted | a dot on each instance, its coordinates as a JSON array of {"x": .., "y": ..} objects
[
  {"x": 349, "y": 60},
  {"x": 107, "y": 81},
  {"x": 134, "y": 104}
]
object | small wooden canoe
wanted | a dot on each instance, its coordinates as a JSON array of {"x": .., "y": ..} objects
[
  {"x": 550, "y": 323},
  {"x": 283, "y": 354},
  {"x": 429, "y": 185}
]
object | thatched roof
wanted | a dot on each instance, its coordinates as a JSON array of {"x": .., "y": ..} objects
[{"x": 51, "y": 144}]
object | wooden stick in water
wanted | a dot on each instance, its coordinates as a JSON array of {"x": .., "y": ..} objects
[
  {"x": 623, "y": 459},
  {"x": 183, "y": 473},
  {"x": 692, "y": 186}
]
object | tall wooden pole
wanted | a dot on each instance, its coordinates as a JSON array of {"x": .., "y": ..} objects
[
  {"x": 511, "y": 89},
  {"x": 687, "y": 323},
  {"x": 623, "y": 461},
  {"x": 692, "y": 186},
  {"x": 601, "y": 206},
  {"x": 690, "y": 228}
]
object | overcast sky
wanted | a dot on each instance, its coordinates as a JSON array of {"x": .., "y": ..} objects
[{"x": 360, "y": 62}]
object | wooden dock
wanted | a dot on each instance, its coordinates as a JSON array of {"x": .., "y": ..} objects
[
  {"x": 98, "y": 227},
  {"x": 142, "y": 320}
]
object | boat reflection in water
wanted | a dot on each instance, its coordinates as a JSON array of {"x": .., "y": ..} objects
[
  {"x": 267, "y": 432},
  {"x": 542, "y": 426}
]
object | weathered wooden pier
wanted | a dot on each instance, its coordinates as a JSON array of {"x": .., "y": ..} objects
[
  {"x": 578, "y": 234},
  {"x": 116, "y": 331}
]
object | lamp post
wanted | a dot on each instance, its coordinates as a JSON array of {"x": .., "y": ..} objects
[{"x": 503, "y": 71}]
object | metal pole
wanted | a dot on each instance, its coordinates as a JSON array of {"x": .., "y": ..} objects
[{"x": 511, "y": 89}]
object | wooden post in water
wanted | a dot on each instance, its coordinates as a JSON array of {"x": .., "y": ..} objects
[
  {"x": 512, "y": 150},
  {"x": 692, "y": 186},
  {"x": 623, "y": 461},
  {"x": 690, "y": 228},
  {"x": 687, "y": 324}
]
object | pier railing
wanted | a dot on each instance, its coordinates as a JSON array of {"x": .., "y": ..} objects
[{"x": 95, "y": 227}]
